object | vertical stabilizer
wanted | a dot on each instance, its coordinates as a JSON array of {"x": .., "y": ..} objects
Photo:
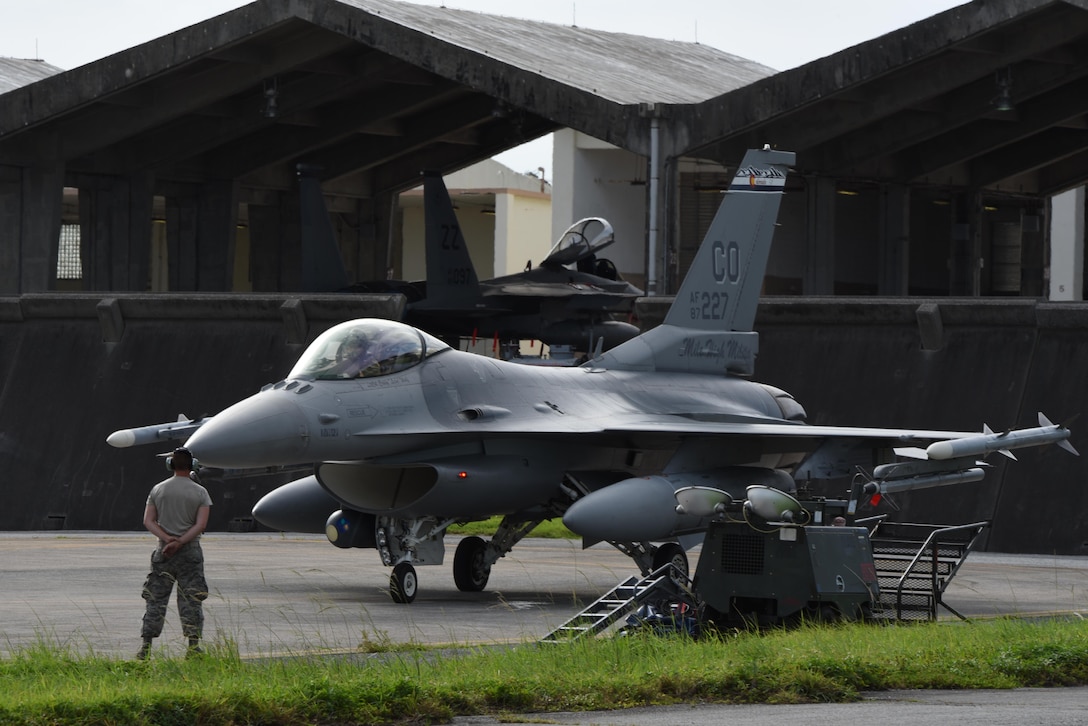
[
  {"x": 721, "y": 290},
  {"x": 322, "y": 266},
  {"x": 451, "y": 277},
  {"x": 708, "y": 328}
]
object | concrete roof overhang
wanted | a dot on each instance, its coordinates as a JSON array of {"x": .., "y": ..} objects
[
  {"x": 918, "y": 106},
  {"x": 372, "y": 91}
]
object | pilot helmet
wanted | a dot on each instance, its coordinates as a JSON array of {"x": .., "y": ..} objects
[{"x": 355, "y": 339}]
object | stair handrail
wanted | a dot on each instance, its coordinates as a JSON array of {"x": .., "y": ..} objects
[
  {"x": 938, "y": 591},
  {"x": 678, "y": 584}
]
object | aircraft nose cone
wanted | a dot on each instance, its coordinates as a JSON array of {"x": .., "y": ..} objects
[{"x": 264, "y": 430}]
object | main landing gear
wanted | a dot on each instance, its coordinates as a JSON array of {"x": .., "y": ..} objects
[
  {"x": 419, "y": 542},
  {"x": 470, "y": 566}
]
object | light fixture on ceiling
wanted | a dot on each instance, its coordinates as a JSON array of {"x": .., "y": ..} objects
[
  {"x": 271, "y": 98},
  {"x": 1003, "y": 100}
]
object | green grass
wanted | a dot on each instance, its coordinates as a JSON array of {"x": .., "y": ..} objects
[
  {"x": 548, "y": 529},
  {"x": 46, "y": 685}
]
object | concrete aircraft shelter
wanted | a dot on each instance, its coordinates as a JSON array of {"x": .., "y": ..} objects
[
  {"x": 936, "y": 145},
  {"x": 926, "y": 160}
]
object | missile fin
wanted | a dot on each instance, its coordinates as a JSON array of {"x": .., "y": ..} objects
[{"x": 1044, "y": 421}]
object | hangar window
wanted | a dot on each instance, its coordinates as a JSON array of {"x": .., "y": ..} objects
[
  {"x": 69, "y": 264},
  {"x": 365, "y": 348}
]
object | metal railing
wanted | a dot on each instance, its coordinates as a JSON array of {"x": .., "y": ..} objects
[{"x": 929, "y": 553}]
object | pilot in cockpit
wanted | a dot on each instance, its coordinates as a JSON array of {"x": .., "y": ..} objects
[
  {"x": 364, "y": 349},
  {"x": 353, "y": 357}
]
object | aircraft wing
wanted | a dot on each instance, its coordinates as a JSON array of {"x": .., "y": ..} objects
[
  {"x": 832, "y": 449},
  {"x": 942, "y": 444},
  {"x": 693, "y": 426}
]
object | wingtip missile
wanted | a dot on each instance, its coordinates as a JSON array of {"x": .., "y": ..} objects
[
  {"x": 155, "y": 433},
  {"x": 1004, "y": 442},
  {"x": 121, "y": 439}
]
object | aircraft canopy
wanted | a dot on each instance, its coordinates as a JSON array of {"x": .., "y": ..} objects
[
  {"x": 582, "y": 240},
  {"x": 365, "y": 348}
]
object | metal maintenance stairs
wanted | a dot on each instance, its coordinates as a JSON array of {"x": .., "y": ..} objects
[
  {"x": 664, "y": 584},
  {"x": 915, "y": 564}
]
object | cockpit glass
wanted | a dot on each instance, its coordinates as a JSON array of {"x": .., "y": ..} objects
[
  {"x": 365, "y": 349},
  {"x": 583, "y": 239}
]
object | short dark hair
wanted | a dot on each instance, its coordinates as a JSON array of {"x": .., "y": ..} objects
[{"x": 182, "y": 459}]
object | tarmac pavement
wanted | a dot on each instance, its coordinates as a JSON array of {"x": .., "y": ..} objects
[
  {"x": 280, "y": 594},
  {"x": 277, "y": 594}
]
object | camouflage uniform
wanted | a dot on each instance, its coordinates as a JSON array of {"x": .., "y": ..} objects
[
  {"x": 186, "y": 568},
  {"x": 176, "y": 512}
]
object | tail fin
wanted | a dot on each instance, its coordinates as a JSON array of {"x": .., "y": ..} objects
[
  {"x": 322, "y": 266},
  {"x": 721, "y": 290},
  {"x": 708, "y": 328},
  {"x": 451, "y": 277}
]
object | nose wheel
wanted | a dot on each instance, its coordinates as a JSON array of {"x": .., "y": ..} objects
[{"x": 403, "y": 583}]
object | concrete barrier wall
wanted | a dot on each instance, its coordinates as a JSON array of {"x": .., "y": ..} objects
[{"x": 76, "y": 367}]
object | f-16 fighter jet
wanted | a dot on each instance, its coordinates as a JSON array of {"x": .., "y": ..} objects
[{"x": 407, "y": 435}]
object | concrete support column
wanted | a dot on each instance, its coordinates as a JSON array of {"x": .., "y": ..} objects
[
  {"x": 379, "y": 234},
  {"x": 181, "y": 232},
  {"x": 30, "y": 265},
  {"x": 115, "y": 232},
  {"x": 965, "y": 260},
  {"x": 820, "y": 270},
  {"x": 11, "y": 204},
  {"x": 893, "y": 255},
  {"x": 217, "y": 226},
  {"x": 266, "y": 232},
  {"x": 141, "y": 188},
  {"x": 1067, "y": 245},
  {"x": 376, "y": 241}
]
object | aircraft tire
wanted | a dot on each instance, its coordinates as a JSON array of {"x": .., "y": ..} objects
[
  {"x": 403, "y": 583},
  {"x": 469, "y": 571},
  {"x": 673, "y": 553}
]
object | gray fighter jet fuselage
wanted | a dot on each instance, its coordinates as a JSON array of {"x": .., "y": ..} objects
[{"x": 408, "y": 435}]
